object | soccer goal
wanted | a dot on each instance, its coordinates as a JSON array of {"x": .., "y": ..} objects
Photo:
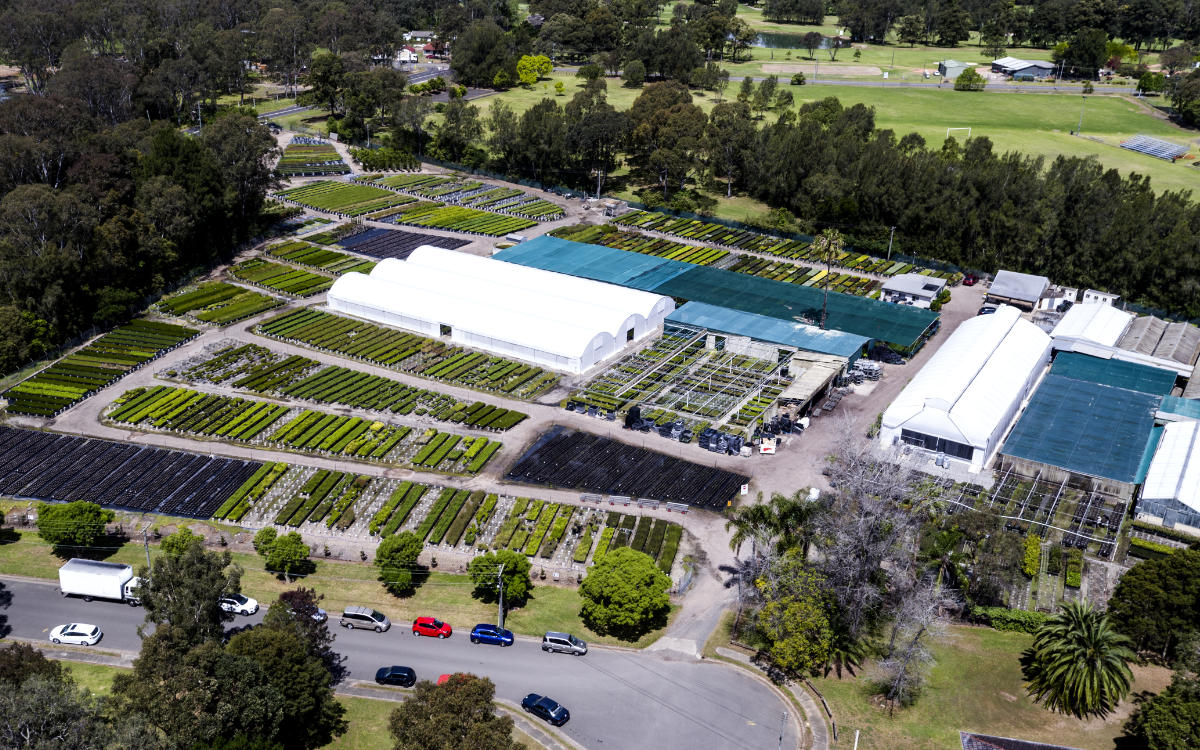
[{"x": 951, "y": 130}]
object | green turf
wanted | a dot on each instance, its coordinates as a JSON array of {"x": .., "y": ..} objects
[
  {"x": 976, "y": 685},
  {"x": 443, "y": 595},
  {"x": 1038, "y": 124}
]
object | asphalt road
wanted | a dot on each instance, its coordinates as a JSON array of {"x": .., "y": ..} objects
[{"x": 617, "y": 698}]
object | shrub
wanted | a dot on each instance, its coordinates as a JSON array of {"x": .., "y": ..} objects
[
  {"x": 1033, "y": 556},
  {"x": 1074, "y": 575},
  {"x": 1003, "y": 618},
  {"x": 1054, "y": 563},
  {"x": 969, "y": 80},
  {"x": 798, "y": 79},
  {"x": 264, "y": 539},
  {"x": 1148, "y": 549},
  {"x": 666, "y": 558}
]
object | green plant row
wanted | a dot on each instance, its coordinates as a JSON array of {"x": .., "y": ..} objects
[
  {"x": 534, "y": 542},
  {"x": 348, "y": 199},
  {"x": 281, "y": 278},
  {"x": 1033, "y": 556},
  {"x": 304, "y": 254},
  {"x": 411, "y": 498},
  {"x": 505, "y": 533},
  {"x": 92, "y": 367},
  {"x": 1147, "y": 549},
  {"x": 439, "y": 505},
  {"x": 602, "y": 546},
  {"x": 388, "y": 347},
  {"x": 464, "y": 517},
  {"x": 666, "y": 557},
  {"x": 1074, "y": 568},
  {"x": 1016, "y": 620},
  {"x": 557, "y": 530},
  {"x": 584, "y": 547},
  {"x": 635, "y": 242}
]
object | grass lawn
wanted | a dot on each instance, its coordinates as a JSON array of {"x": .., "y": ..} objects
[
  {"x": 443, "y": 595},
  {"x": 976, "y": 685},
  {"x": 96, "y": 678},
  {"x": 1037, "y": 124}
]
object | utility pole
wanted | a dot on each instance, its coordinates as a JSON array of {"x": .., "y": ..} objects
[
  {"x": 891, "y": 237},
  {"x": 146, "y": 544},
  {"x": 1079, "y": 128},
  {"x": 500, "y": 584}
]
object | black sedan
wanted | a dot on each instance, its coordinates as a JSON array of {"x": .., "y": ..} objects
[
  {"x": 402, "y": 676},
  {"x": 546, "y": 708}
]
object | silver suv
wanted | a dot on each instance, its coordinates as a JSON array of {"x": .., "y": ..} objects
[
  {"x": 563, "y": 643},
  {"x": 364, "y": 617}
]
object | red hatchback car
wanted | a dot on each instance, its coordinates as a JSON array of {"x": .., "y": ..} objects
[{"x": 431, "y": 626}]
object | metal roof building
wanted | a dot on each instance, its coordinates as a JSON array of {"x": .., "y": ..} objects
[
  {"x": 1092, "y": 417},
  {"x": 1171, "y": 493},
  {"x": 963, "y": 399},
  {"x": 1114, "y": 372},
  {"x": 773, "y": 330},
  {"x": 902, "y": 326},
  {"x": 1021, "y": 290},
  {"x": 1151, "y": 336}
]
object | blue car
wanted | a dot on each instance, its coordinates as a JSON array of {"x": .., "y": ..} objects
[{"x": 491, "y": 634}]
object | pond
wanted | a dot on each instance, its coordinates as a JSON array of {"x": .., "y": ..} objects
[{"x": 786, "y": 41}]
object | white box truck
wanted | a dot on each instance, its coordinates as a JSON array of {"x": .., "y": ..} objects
[{"x": 93, "y": 579}]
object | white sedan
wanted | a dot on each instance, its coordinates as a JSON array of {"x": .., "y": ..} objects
[
  {"x": 243, "y": 605},
  {"x": 77, "y": 633}
]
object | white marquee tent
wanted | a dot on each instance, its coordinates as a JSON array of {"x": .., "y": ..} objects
[
  {"x": 482, "y": 306},
  {"x": 1171, "y": 493},
  {"x": 966, "y": 395}
]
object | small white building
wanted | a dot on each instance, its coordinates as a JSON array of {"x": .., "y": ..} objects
[
  {"x": 420, "y": 35},
  {"x": 406, "y": 55},
  {"x": 962, "y": 401},
  {"x": 913, "y": 289},
  {"x": 1090, "y": 324},
  {"x": 1171, "y": 493},
  {"x": 1093, "y": 297}
]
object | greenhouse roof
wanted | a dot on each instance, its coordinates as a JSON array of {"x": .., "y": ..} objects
[
  {"x": 773, "y": 330},
  {"x": 900, "y": 325},
  {"x": 1186, "y": 408},
  {"x": 1115, "y": 372},
  {"x": 1175, "y": 471},
  {"x": 1088, "y": 428}
]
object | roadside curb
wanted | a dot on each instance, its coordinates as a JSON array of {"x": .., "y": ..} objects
[{"x": 814, "y": 721}]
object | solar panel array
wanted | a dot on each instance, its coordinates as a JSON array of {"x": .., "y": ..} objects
[{"x": 1155, "y": 147}]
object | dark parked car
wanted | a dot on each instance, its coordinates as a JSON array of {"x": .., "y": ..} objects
[
  {"x": 402, "y": 676},
  {"x": 546, "y": 708},
  {"x": 491, "y": 634}
]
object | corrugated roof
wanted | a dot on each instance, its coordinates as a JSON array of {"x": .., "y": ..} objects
[
  {"x": 1021, "y": 286},
  {"x": 1188, "y": 408},
  {"x": 1114, "y": 372},
  {"x": 764, "y": 328},
  {"x": 1101, "y": 324},
  {"x": 901, "y": 325},
  {"x": 1143, "y": 334},
  {"x": 1175, "y": 471},
  {"x": 1085, "y": 427}
]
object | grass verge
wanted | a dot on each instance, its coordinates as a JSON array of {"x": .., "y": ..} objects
[{"x": 444, "y": 595}]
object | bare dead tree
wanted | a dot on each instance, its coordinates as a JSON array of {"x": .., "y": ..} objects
[{"x": 918, "y": 621}]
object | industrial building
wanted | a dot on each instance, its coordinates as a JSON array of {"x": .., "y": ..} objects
[
  {"x": 1091, "y": 421},
  {"x": 904, "y": 327},
  {"x": 913, "y": 289},
  {"x": 961, "y": 402},
  {"x": 1021, "y": 290},
  {"x": 549, "y": 319}
]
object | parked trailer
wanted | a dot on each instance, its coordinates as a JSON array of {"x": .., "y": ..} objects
[{"x": 93, "y": 579}]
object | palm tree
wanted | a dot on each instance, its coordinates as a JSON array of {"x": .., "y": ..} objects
[
  {"x": 827, "y": 246},
  {"x": 1078, "y": 663},
  {"x": 786, "y": 523}
]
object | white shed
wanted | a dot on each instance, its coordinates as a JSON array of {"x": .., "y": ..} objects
[{"x": 964, "y": 398}]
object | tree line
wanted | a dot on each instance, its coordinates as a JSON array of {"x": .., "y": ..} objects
[{"x": 826, "y": 165}]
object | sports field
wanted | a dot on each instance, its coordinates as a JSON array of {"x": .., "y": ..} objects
[{"x": 1031, "y": 123}]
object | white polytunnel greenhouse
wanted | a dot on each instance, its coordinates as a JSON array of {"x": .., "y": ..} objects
[
  {"x": 1171, "y": 493},
  {"x": 962, "y": 401},
  {"x": 490, "y": 309}
]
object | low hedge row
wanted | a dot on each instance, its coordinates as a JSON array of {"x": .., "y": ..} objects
[
  {"x": 670, "y": 548},
  {"x": 1003, "y": 618}
]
